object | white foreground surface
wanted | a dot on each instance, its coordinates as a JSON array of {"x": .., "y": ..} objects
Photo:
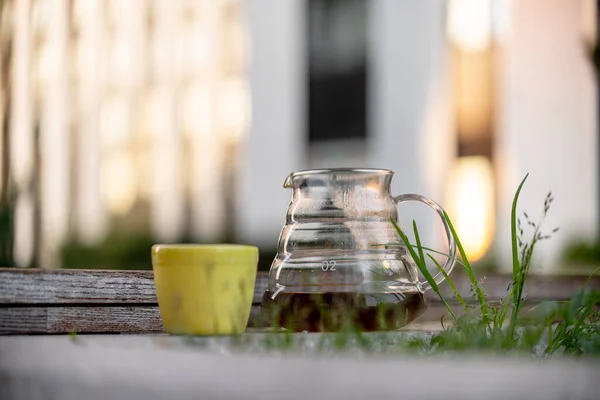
[{"x": 164, "y": 367}]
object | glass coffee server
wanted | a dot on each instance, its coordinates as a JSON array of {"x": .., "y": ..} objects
[{"x": 340, "y": 261}]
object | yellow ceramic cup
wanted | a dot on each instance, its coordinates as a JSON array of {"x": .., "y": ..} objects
[{"x": 204, "y": 289}]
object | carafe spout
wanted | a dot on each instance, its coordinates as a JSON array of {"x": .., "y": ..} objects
[{"x": 288, "y": 181}]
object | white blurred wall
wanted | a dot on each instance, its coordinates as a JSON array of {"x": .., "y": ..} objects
[
  {"x": 548, "y": 124},
  {"x": 275, "y": 145}
]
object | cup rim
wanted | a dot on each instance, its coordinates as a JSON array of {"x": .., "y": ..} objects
[
  {"x": 192, "y": 246},
  {"x": 191, "y": 254}
]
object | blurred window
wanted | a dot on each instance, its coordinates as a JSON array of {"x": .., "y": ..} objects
[{"x": 337, "y": 69}]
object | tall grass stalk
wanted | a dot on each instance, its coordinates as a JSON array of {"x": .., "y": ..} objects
[{"x": 518, "y": 277}]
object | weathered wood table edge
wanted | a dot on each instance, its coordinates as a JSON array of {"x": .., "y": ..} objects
[{"x": 38, "y": 301}]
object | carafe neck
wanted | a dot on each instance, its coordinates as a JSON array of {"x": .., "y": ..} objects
[{"x": 374, "y": 180}]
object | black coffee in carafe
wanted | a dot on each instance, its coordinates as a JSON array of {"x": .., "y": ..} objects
[{"x": 333, "y": 311}]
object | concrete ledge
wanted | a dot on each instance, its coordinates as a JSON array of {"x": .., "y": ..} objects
[{"x": 143, "y": 368}]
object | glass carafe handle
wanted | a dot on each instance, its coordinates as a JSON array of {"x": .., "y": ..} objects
[{"x": 439, "y": 277}]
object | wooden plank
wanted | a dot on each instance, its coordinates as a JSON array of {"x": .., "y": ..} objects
[
  {"x": 28, "y": 320},
  {"x": 51, "y": 287},
  {"x": 138, "y": 319},
  {"x": 262, "y": 282},
  {"x": 38, "y": 286},
  {"x": 104, "y": 319},
  {"x": 23, "y": 320}
]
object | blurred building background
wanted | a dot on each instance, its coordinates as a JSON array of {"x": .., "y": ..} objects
[{"x": 128, "y": 122}]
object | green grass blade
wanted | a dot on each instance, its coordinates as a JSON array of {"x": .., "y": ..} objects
[
  {"x": 517, "y": 277},
  {"x": 587, "y": 308},
  {"x": 420, "y": 262},
  {"x": 457, "y": 294},
  {"x": 516, "y": 265},
  {"x": 590, "y": 277},
  {"x": 427, "y": 249},
  {"x": 423, "y": 268},
  {"x": 418, "y": 240},
  {"x": 550, "y": 338},
  {"x": 474, "y": 283},
  {"x": 499, "y": 322}
]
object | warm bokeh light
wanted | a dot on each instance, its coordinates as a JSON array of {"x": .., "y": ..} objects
[
  {"x": 470, "y": 204},
  {"x": 118, "y": 183},
  {"x": 474, "y": 89},
  {"x": 197, "y": 114},
  {"x": 24, "y": 229},
  {"x": 21, "y": 142},
  {"x": 233, "y": 112},
  {"x": 114, "y": 122},
  {"x": 470, "y": 24}
]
